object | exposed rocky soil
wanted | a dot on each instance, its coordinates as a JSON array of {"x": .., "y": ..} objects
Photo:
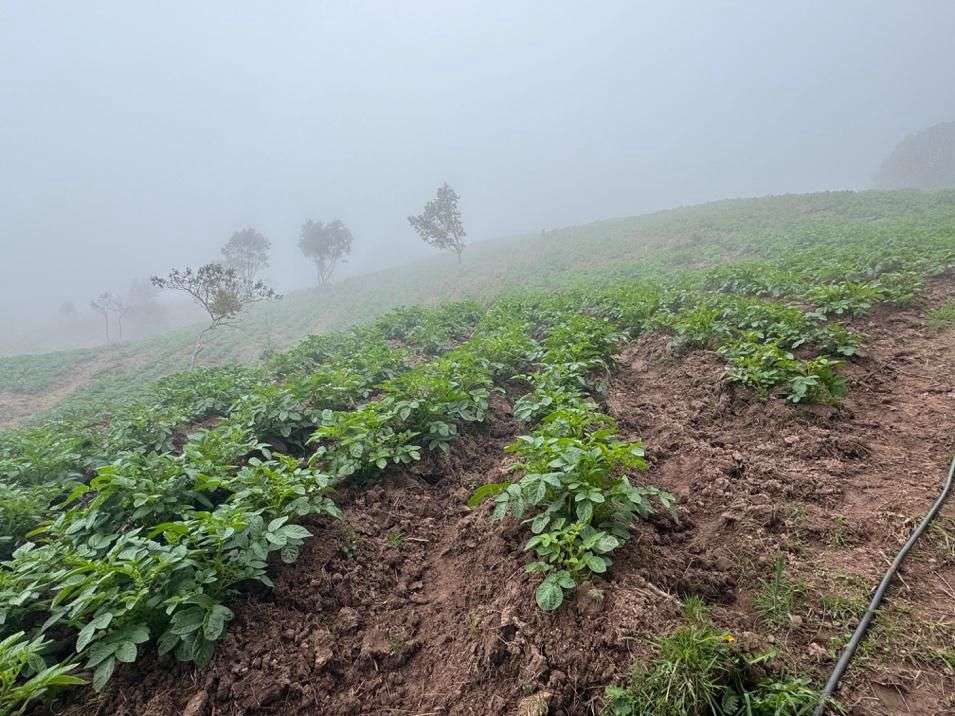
[
  {"x": 416, "y": 605},
  {"x": 833, "y": 492}
]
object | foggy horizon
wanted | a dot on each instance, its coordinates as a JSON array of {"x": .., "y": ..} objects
[{"x": 138, "y": 139}]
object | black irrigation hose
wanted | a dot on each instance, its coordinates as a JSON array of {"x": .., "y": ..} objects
[{"x": 860, "y": 631}]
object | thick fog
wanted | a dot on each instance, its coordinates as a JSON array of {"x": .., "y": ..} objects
[{"x": 138, "y": 136}]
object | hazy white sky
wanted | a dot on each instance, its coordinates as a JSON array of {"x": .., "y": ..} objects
[{"x": 136, "y": 136}]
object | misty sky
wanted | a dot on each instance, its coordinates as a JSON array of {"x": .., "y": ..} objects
[{"x": 135, "y": 136}]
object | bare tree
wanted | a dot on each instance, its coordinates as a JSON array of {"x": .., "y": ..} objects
[
  {"x": 247, "y": 251},
  {"x": 67, "y": 310},
  {"x": 103, "y": 304},
  {"x": 326, "y": 245},
  {"x": 220, "y": 291},
  {"x": 144, "y": 309},
  {"x": 121, "y": 309},
  {"x": 440, "y": 222}
]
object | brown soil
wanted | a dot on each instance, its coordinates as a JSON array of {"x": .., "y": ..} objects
[{"x": 416, "y": 605}]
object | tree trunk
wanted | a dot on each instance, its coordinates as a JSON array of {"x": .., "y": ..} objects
[
  {"x": 198, "y": 345},
  {"x": 106, "y": 316}
]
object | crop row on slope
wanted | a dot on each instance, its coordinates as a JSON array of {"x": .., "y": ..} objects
[
  {"x": 575, "y": 487},
  {"x": 597, "y": 253},
  {"x": 142, "y": 538},
  {"x": 152, "y": 547},
  {"x": 574, "y": 482},
  {"x": 32, "y": 374},
  {"x": 412, "y": 601},
  {"x": 145, "y": 532}
]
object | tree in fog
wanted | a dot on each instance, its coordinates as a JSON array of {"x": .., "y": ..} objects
[
  {"x": 103, "y": 305},
  {"x": 144, "y": 309},
  {"x": 326, "y": 245},
  {"x": 247, "y": 251},
  {"x": 219, "y": 290},
  {"x": 67, "y": 311},
  {"x": 120, "y": 308},
  {"x": 924, "y": 160},
  {"x": 440, "y": 222}
]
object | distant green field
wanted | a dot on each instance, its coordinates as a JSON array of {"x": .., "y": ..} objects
[
  {"x": 35, "y": 373},
  {"x": 600, "y": 252}
]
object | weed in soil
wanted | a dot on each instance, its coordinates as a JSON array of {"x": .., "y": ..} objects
[{"x": 778, "y": 597}]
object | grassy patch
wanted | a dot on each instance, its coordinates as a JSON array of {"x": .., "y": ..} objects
[
  {"x": 700, "y": 669},
  {"x": 778, "y": 596},
  {"x": 900, "y": 634},
  {"x": 942, "y": 317},
  {"x": 37, "y": 373},
  {"x": 941, "y": 538}
]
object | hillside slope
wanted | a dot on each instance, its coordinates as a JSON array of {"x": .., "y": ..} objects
[
  {"x": 417, "y": 605},
  {"x": 594, "y": 253},
  {"x": 497, "y": 507}
]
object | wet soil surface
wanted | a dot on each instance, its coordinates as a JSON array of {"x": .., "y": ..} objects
[{"x": 416, "y": 605}]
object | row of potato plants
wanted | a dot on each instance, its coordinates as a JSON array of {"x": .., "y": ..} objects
[
  {"x": 336, "y": 370},
  {"x": 775, "y": 319},
  {"x": 131, "y": 531},
  {"x": 154, "y": 546},
  {"x": 574, "y": 490},
  {"x": 281, "y": 401},
  {"x": 768, "y": 346},
  {"x": 150, "y": 532},
  {"x": 424, "y": 407}
]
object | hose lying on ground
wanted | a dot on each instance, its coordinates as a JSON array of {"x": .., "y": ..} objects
[{"x": 866, "y": 620}]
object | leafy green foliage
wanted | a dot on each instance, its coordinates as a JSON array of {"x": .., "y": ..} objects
[
  {"x": 37, "y": 466},
  {"x": 765, "y": 366},
  {"x": 365, "y": 441},
  {"x": 422, "y": 407},
  {"x": 152, "y": 427},
  {"x": 21, "y": 508},
  {"x": 433, "y": 330},
  {"x": 272, "y": 412},
  {"x": 155, "y": 544},
  {"x": 760, "y": 339},
  {"x": 574, "y": 487},
  {"x": 24, "y": 675},
  {"x": 205, "y": 392},
  {"x": 699, "y": 670},
  {"x": 50, "y": 453}
]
